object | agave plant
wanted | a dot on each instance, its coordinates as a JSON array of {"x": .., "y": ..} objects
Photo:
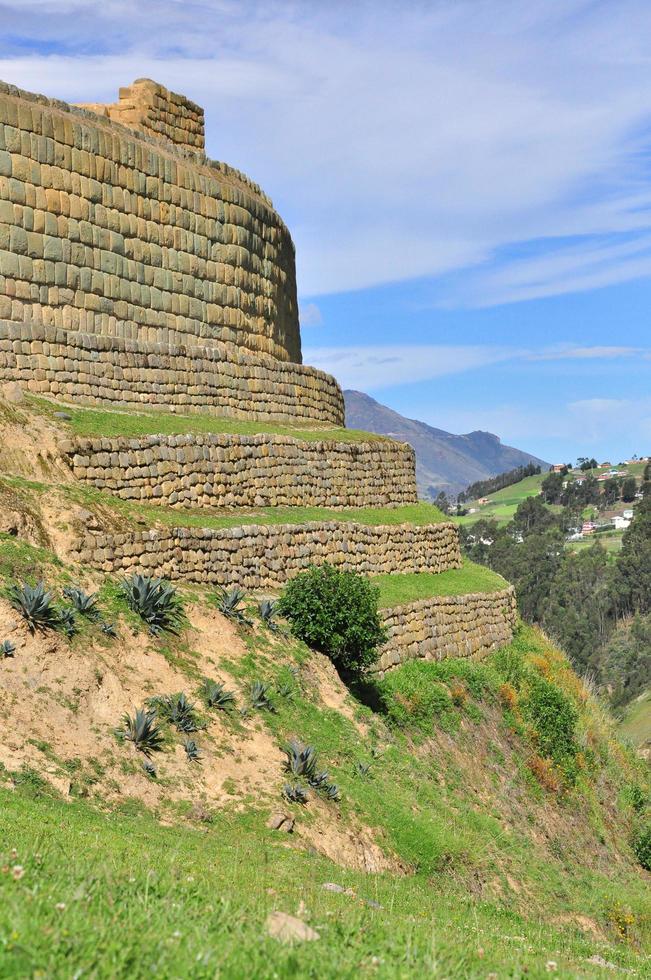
[
  {"x": 156, "y": 602},
  {"x": 215, "y": 695},
  {"x": 109, "y": 629},
  {"x": 362, "y": 769},
  {"x": 331, "y": 792},
  {"x": 82, "y": 602},
  {"x": 295, "y": 794},
  {"x": 230, "y": 603},
  {"x": 260, "y": 697},
  {"x": 7, "y": 649},
  {"x": 142, "y": 730},
  {"x": 34, "y": 603},
  {"x": 267, "y": 610},
  {"x": 319, "y": 780},
  {"x": 150, "y": 769},
  {"x": 301, "y": 760},
  {"x": 67, "y": 622},
  {"x": 192, "y": 750},
  {"x": 178, "y": 710}
]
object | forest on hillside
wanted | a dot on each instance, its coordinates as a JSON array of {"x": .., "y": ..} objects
[{"x": 595, "y": 605}]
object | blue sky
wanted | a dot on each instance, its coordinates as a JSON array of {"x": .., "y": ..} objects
[{"x": 467, "y": 183}]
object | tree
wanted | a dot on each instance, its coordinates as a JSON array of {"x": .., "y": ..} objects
[
  {"x": 629, "y": 489},
  {"x": 577, "y": 614},
  {"x": 551, "y": 488},
  {"x": 611, "y": 492},
  {"x": 532, "y": 517},
  {"x": 442, "y": 502},
  {"x": 632, "y": 582}
]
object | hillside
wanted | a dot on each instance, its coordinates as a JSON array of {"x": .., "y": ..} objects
[
  {"x": 444, "y": 462},
  {"x": 452, "y": 828},
  {"x": 468, "y": 838}
]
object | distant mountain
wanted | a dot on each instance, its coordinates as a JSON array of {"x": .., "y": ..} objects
[{"x": 443, "y": 461}]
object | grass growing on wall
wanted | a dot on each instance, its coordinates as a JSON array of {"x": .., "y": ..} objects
[
  {"x": 395, "y": 590},
  {"x": 101, "y": 422}
]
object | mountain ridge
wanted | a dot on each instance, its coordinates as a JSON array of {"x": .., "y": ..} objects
[{"x": 444, "y": 461}]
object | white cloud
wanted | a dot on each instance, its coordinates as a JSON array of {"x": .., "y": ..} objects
[
  {"x": 384, "y": 366},
  {"x": 399, "y": 140},
  {"x": 310, "y": 315}
]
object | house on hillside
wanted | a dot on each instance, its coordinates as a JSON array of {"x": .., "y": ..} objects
[
  {"x": 621, "y": 523},
  {"x": 483, "y": 500},
  {"x": 628, "y": 514},
  {"x": 558, "y": 467},
  {"x": 588, "y": 528}
]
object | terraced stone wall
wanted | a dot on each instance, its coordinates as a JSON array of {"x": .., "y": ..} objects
[
  {"x": 110, "y": 231},
  {"x": 221, "y": 379},
  {"x": 448, "y": 626},
  {"x": 224, "y": 470},
  {"x": 151, "y": 108},
  {"x": 266, "y": 556}
]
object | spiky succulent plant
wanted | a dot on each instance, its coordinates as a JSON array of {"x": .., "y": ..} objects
[
  {"x": 295, "y": 794},
  {"x": 82, "y": 602},
  {"x": 267, "y": 610},
  {"x": 331, "y": 792},
  {"x": 7, "y": 649},
  {"x": 178, "y": 710},
  {"x": 67, "y": 622},
  {"x": 155, "y": 601},
  {"x": 260, "y": 697},
  {"x": 109, "y": 629},
  {"x": 192, "y": 750},
  {"x": 362, "y": 769},
  {"x": 142, "y": 730},
  {"x": 215, "y": 695},
  {"x": 230, "y": 603},
  {"x": 301, "y": 760},
  {"x": 35, "y": 605},
  {"x": 150, "y": 769}
]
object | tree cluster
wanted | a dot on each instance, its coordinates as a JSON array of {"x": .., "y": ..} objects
[{"x": 596, "y": 606}]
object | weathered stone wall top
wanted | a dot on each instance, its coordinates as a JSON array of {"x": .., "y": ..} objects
[
  {"x": 265, "y": 556},
  {"x": 448, "y": 626},
  {"x": 107, "y": 230},
  {"x": 221, "y": 379},
  {"x": 147, "y": 106},
  {"x": 227, "y": 470}
]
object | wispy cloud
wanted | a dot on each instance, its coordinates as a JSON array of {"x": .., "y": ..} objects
[
  {"x": 399, "y": 140},
  {"x": 375, "y": 367},
  {"x": 310, "y": 315}
]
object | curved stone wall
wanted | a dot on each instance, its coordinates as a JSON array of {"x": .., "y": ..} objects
[
  {"x": 265, "y": 556},
  {"x": 106, "y": 230},
  {"x": 224, "y": 470},
  {"x": 222, "y": 379},
  {"x": 448, "y": 626}
]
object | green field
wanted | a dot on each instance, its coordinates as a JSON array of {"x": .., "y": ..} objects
[
  {"x": 504, "y": 503},
  {"x": 398, "y": 589}
]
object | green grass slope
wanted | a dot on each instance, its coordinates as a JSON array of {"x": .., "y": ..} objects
[
  {"x": 504, "y": 503},
  {"x": 469, "y": 840}
]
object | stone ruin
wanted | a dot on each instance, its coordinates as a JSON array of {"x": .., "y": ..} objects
[{"x": 135, "y": 271}]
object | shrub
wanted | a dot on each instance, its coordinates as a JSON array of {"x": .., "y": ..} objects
[
  {"x": 35, "y": 605},
  {"x": 508, "y": 696},
  {"x": 335, "y": 612},
  {"x": 413, "y": 697},
  {"x": 545, "y": 773},
  {"x": 142, "y": 730},
  {"x": 67, "y": 622},
  {"x": 642, "y": 846},
  {"x": 554, "y": 718},
  {"x": 155, "y": 601}
]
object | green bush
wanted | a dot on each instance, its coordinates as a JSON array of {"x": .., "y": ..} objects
[
  {"x": 554, "y": 718},
  {"x": 414, "y": 698},
  {"x": 335, "y": 612},
  {"x": 642, "y": 846}
]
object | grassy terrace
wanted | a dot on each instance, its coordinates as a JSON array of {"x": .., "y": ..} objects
[
  {"x": 102, "y": 422},
  {"x": 396, "y": 590},
  {"x": 419, "y": 514}
]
